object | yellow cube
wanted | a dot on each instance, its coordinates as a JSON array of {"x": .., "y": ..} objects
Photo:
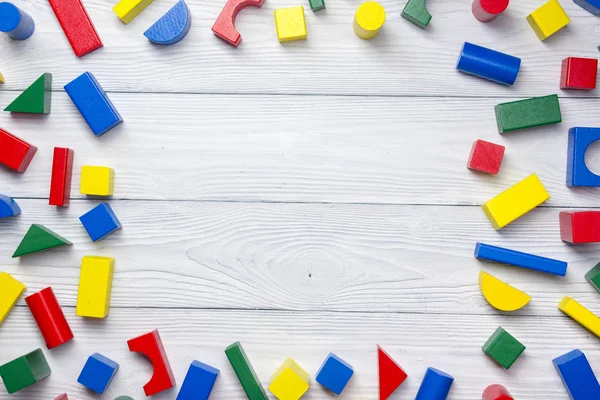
[
  {"x": 10, "y": 291},
  {"x": 290, "y": 381},
  {"x": 95, "y": 286},
  {"x": 548, "y": 19},
  {"x": 290, "y": 24},
  {"x": 97, "y": 181}
]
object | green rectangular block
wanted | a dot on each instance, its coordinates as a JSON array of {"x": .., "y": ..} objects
[
  {"x": 593, "y": 277},
  {"x": 316, "y": 5},
  {"x": 528, "y": 113},
  {"x": 24, "y": 371},
  {"x": 503, "y": 348},
  {"x": 245, "y": 373}
]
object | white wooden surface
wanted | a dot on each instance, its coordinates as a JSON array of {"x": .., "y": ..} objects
[{"x": 302, "y": 198}]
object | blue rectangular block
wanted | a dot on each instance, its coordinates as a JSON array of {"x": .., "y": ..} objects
[
  {"x": 8, "y": 207},
  {"x": 525, "y": 260},
  {"x": 577, "y": 376},
  {"x": 592, "y": 6},
  {"x": 93, "y": 103},
  {"x": 98, "y": 372},
  {"x": 335, "y": 373},
  {"x": 100, "y": 222},
  {"x": 488, "y": 64},
  {"x": 435, "y": 386},
  {"x": 198, "y": 382}
]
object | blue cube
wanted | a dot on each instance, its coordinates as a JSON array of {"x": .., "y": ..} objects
[
  {"x": 97, "y": 373},
  {"x": 198, "y": 382},
  {"x": 335, "y": 373},
  {"x": 100, "y": 222}
]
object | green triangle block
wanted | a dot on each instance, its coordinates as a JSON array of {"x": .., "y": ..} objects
[
  {"x": 36, "y": 99},
  {"x": 39, "y": 238}
]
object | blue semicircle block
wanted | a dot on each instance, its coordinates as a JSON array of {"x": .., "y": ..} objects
[
  {"x": 8, "y": 207},
  {"x": 171, "y": 27}
]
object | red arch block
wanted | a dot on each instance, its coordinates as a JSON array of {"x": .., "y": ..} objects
[
  {"x": 151, "y": 345},
  {"x": 224, "y": 26}
]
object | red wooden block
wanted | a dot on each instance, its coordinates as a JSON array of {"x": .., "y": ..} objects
[
  {"x": 49, "y": 317},
  {"x": 578, "y": 73},
  {"x": 151, "y": 345},
  {"x": 486, "y": 157},
  {"x": 391, "y": 375},
  {"x": 496, "y": 392},
  {"x": 77, "y": 26},
  {"x": 14, "y": 152},
  {"x": 488, "y": 10},
  {"x": 580, "y": 226},
  {"x": 224, "y": 26},
  {"x": 62, "y": 397},
  {"x": 62, "y": 170}
]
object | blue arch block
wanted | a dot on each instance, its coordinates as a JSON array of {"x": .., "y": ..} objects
[
  {"x": 171, "y": 27},
  {"x": 15, "y": 22},
  {"x": 488, "y": 64},
  {"x": 435, "y": 386},
  {"x": 8, "y": 207},
  {"x": 578, "y": 173}
]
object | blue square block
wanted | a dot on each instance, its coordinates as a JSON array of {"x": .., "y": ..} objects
[
  {"x": 97, "y": 373},
  {"x": 100, "y": 222},
  {"x": 335, "y": 373},
  {"x": 198, "y": 382}
]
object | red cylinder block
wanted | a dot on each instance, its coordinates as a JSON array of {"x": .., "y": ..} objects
[
  {"x": 49, "y": 317},
  {"x": 487, "y": 10},
  {"x": 496, "y": 392}
]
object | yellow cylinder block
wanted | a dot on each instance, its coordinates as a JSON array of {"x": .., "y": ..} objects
[{"x": 369, "y": 19}]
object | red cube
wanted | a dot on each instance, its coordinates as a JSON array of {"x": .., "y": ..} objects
[
  {"x": 486, "y": 157},
  {"x": 15, "y": 153},
  {"x": 578, "y": 73},
  {"x": 580, "y": 226}
]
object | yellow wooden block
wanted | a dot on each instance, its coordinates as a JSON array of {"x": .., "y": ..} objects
[
  {"x": 290, "y": 381},
  {"x": 582, "y": 315},
  {"x": 501, "y": 295},
  {"x": 290, "y": 24},
  {"x": 97, "y": 181},
  {"x": 127, "y": 10},
  {"x": 548, "y": 19},
  {"x": 95, "y": 286},
  {"x": 515, "y": 201},
  {"x": 369, "y": 19},
  {"x": 1, "y": 78},
  {"x": 10, "y": 291}
]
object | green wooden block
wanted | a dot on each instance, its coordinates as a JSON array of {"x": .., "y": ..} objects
[
  {"x": 245, "y": 373},
  {"x": 503, "y": 348},
  {"x": 593, "y": 277},
  {"x": 39, "y": 238},
  {"x": 415, "y": 12},
  {"x": 124, "y": 398},
  {"x": 36, "y": 99},
  {"x": 316, "y": 5},
  {"x": 24, "y": 371},
  {"x": 522, "y": 114}
]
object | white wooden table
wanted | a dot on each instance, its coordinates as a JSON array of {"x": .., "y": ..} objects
[{"x": 303, "y": 198}]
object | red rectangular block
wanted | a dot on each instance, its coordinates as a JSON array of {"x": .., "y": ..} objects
[
  {"x": 486, "y": 157},
  {"x": 580, "y": 226},
  {"x": 62, "y": 170},
  {"x": 578, "y": 73},
  {"x": 77, "y": 26},
  {"x": 14, "y": 152}
]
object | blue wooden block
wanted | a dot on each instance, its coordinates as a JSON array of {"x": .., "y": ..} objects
[
  {"x": 488, "y": 64},
  {"x": 8, "y": 207},
  {"x": 578, "y": 173},
  {"x": 524, "y": 260},
  {"x": 435, "y": 386},
  {"x": 577, "y": 376},
  {"x": 592, "y": 6},
  {"x": 93, "y": 103},
  {"x": 335, "y": 373},
  {"x": 198, "y": 382},
  {"x": 97, "y": 373},
  {"x": 100, "y": 222},
  {"x": 171, "y": 27},
  {"x": 15, "y": 22}
]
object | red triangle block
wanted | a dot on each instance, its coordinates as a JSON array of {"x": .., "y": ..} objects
[{"x": 391, "y": 375}]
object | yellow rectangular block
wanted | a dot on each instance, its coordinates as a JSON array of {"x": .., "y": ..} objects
[
  {"x": 515, "y": 202},
  {"x": 127, "y": 10},
  {"x": 10, "y": 291},
  {"x": 582, "y": 315},
  {"x": 97, "y": 181},
  {"x": 95, "y": 286},
  {"x": 548, "y": 19},
  {"x": 290, "y": 24},
  {"x": 290, "y": 381}
]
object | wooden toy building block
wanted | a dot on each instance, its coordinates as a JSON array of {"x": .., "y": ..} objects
[
  {"x": 485, "y": 157},
  {"x": 198, "y": 382},
  {"x": 100, "y": 222},
  {"x": 391, "y": 375},
  {"x": 578, "y": 173},
  {"x": 501, "y": 295},
  {"x": 151, "y": 345},
  {"x": 245, "y": 373},
  {"x": 10, "y": 291},
  {"x": 499, "y": 254},
  {"x": 127, "y": 10},
  {"x": 592, "y": 6},
  {"x": 580, "y": 226},
  {"x": 62, "y": 171},
  {"x": 171, "y": 27},
  {"x": 580, "y": 314},
  {"x": 124, "y": 398},
  {"x": 577, "y": 375},
  {"x": 24, "y": 371},
  {"x": 49, "y": 317},
  {"x": 62, "y": 397},
  {"x": 15, "y": 153},
  {"x": 97, "y": 181},
  {"x": 8, "y": 207},
  {"x": 548, "y": 19},
  {"x": 1, "y": 78},
  {"x": 436, "y": 385},
  {"x": 503, "y": 348},
  {"x": 488, "y": 64},
  {"x": 593, "y": 277},
  {"x": 290, "y": 24},
  {"x": 290, "y": 381},
  {"x": 39, "y": 238},
  {"x": 488, "y": 10},
  {"x": 415, "y": 12},
  {"x": 97, "y": 373},
  {"x": 95, "y": 286},
  {"x": 515, "y": 201},
  {"x": 317, "y": 5},
  {"x": 93, "y": 103},
  {"x": 15, "y": 22},
  {"x": 368, "y": 20},
  {"x": 578, "y": 73},
  {"x": 334, "y": 373},
  {"x": 224, "y": 26},
  {"x": 496, "y": 392},
  {"x": 528, "y": 113},
  {"x": 36, "y": 99},
  {"x": 76, "y": 25}
]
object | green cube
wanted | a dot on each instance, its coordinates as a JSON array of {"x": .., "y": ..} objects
[
  {"x": 316, "y": 5},
  {"x": 528, "y": 113},
  {"x": 503, "y": 348},
  {"x": 24, "y": 371},
  {"x": 593, "y": 277}
]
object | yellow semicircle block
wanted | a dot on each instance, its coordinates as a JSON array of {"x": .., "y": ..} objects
[{"x": 501, "y": 295}]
